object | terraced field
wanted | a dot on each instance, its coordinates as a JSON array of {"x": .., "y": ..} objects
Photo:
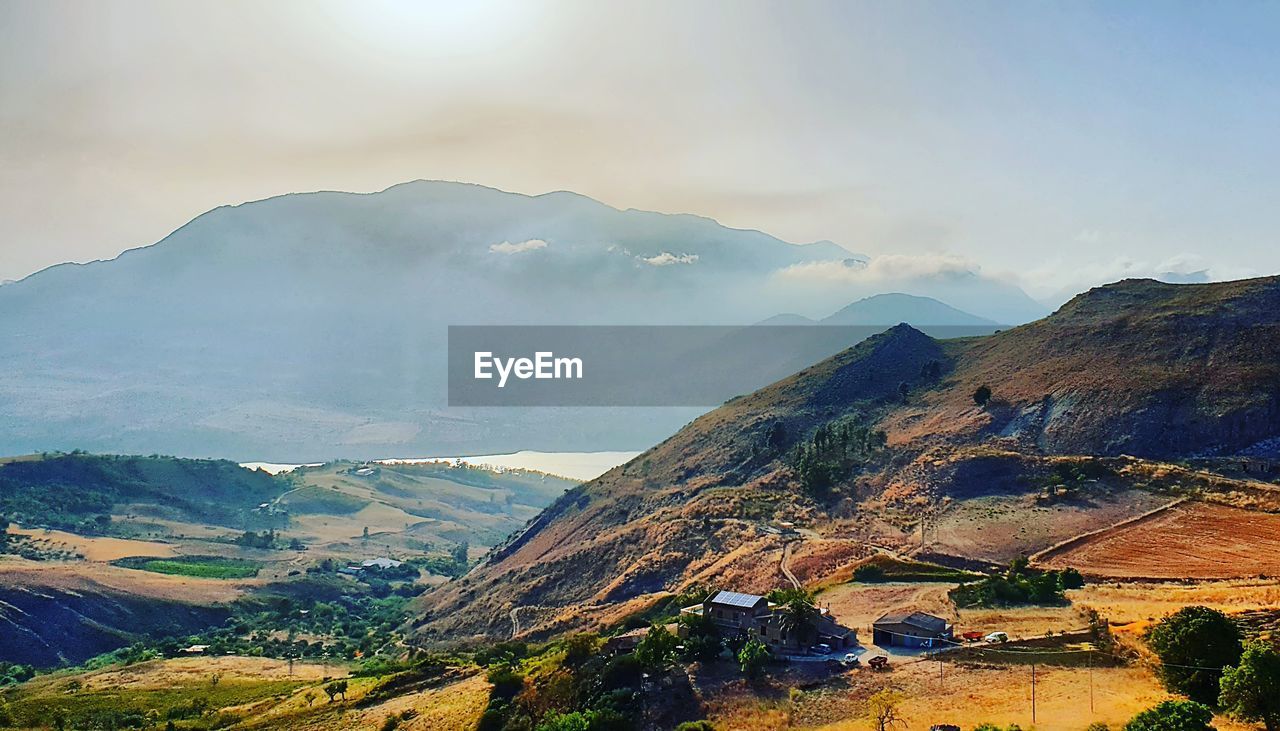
[{"x": 1191, "y": 540}]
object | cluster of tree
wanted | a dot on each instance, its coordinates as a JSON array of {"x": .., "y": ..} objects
[
  {"x": 13, "y": 673},
  {"x": 453, "y": 565},
  {"x": 1020, "y": 584},
  {"x": 571, "y": 686},
  {"x": 1203, "y": 656},
  {"x": 77, "y": 491},
  {"x": 578, "y": 689},
  {"x": 265, "y": 539},
  {"x": 833, "y": 452},
  {"x": 345, "y": 627}
]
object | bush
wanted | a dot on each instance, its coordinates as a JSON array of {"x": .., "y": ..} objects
[
  {"x": 1193, "y": 644},
  {"x": 869, "y": 573},
  {"x": 982, "y": 395},
  {"x": 1251, "y": 690},
  {"x": 696, "y": 726},
  {"x": 1020, "y": 584},
  {"x": 752, "y": 657},
  {"x": 1173, "y": 716},
  {"x": 506, "y": 683},
  {"x": 584, "y": 721}
]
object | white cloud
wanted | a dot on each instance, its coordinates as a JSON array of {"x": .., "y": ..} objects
[
  {"x": 1063, "y": 277},
  {"x": 506, "y": 247},
  {"x": 886, "y": 268},
  {"x": 666, "y": 258}
]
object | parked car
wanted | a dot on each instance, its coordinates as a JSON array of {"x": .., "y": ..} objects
[
  {"x": 997, "y": 637},
  {"x": 851, "y": 660},
  {"x": 822, "y": 648}
]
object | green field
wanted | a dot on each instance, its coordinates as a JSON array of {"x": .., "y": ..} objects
[{"x": 204, "y": 567}]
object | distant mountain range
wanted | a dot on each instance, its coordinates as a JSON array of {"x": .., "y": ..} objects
[
  {"x": 890, "y": 309},
  {"x": 313, "y": 325}
]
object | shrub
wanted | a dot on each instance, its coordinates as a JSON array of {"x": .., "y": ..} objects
[
  {"x": 1173, "y": 716},
  {"x": 1193, "y": 644},
  {"x": 506, "y": 683},
  {"x": 752, "y": 657},
  {"x": 869, "y": 573},
  {"x": 1251, "y": 689},
  {"x": 982, "y": 395}
]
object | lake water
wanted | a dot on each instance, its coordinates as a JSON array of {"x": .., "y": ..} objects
[{"x": 574, "y": 465}]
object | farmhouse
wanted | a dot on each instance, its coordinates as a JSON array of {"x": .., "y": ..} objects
[
  {"x": 625, "y": 642},
  {"x": 915, "y": 629},
  {"x": 754, "y": 616}
]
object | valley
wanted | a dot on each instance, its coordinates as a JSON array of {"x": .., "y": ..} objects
[
  {"x": 147, "y": 564},
  {"x": 459, "y": 596}
]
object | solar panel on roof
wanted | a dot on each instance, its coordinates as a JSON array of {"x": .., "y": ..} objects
[{"x": 735, "y": 599}]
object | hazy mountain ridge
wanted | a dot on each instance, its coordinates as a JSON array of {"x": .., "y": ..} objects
[{"x": 312, "y": 325}]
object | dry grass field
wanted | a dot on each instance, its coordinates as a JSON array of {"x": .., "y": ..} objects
[
  {"x": 999, "y": 528},
  {"x": 858, "y": 605},
  {"x": 261, "y": 692},
  {"x": 81, "y": 576},
  {"x": 1189, "y": 541},
  {"x": 99, "y": 548},
  {"x": 1132, "y": 606},
  {"x": 965, "y": 695}
]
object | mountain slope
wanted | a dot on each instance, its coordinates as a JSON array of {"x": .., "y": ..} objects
[{"x": 1152, "y": 370}]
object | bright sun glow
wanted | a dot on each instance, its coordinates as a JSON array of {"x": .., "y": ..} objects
[{"x": 432, "y": 28}]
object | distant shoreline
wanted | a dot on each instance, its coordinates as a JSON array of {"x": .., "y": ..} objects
[{"x": 573, "y": 465}]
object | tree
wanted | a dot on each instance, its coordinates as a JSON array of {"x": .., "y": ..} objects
[
  {"x": 752, "y": 657},
  {"x": 799, "y": 616},
  {"x": 882, "y": 710},
  {"x": 578, "y": 648},
  {"x": 459, "y": 554},
  {"x": 1071, "y": 579},
  {"x": 982, "y": 396},
  {"x": 657, "y": 648},
  {"x": 1193, "y": 645},
  {"x": 1173, "y": 716},
  {"x": 335, "y": 689},
  {"x": 1250, "y": 691},
  {"x": 506, "y": 683},
  {"x": 696, "y": 726},
  {"x": 702, "y": 638}
]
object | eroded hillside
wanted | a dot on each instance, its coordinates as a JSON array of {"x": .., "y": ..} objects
[{"x": 1148, "y": 370}]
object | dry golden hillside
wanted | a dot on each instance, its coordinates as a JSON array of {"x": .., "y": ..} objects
[{"x": 1152, "y": 371}]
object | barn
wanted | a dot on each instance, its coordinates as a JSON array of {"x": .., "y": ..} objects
[{"x": 914, "y": 629}]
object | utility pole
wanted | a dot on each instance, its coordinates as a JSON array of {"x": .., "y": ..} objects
[
  {"x": 1091, "y": 683},
  {"x": 1033, "y": 694},
  {"x": 939, "y": 670}
]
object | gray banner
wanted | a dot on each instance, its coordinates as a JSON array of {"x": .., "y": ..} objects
[{"x": 638, "y": 365}]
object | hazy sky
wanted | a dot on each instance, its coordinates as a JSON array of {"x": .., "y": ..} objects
[{"x": 1057, "y": 144}]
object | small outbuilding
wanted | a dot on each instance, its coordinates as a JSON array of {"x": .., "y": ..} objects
[{"x": 914, "y": 629}]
